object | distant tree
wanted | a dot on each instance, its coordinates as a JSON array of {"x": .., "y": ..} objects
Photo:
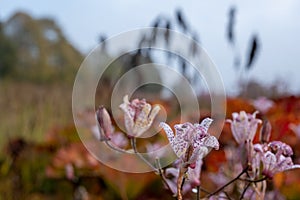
[
  {"x": 42, "y": 53},
  {"x": 7, "y": 55}
]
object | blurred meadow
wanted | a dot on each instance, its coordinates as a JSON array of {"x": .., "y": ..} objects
[{"x": 39, "y": 59}]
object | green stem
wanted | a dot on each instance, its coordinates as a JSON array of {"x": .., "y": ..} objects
[
  {"x": 161, "y": 174},
  {"x": 112, "y": 146},
  {"x": 133, "y": 145}
]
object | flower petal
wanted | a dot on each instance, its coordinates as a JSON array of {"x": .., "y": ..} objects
[
  {"x": 153, "y": 113},
  {"x": 198, "y": 154},
  {"x": 211, "y": 141},
  {"x": 293, "y": 167},
  {"x": 119, "y": 139},
  {"x": 206, "y": 123},
  {"x": 184, "y": 135},
  {"x": 172, "y": 171},
  {"x": 168, "y": 131},
  {"x": 141, "y": 123},
  {"x": 269, "y": 164},
  {"x": 178, "y": 145},
  {"x": 128, "y": 115},
  {"x": 194, "y": 174}
]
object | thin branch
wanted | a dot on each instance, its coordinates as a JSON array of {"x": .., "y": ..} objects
[
  {"x": 112, "y": 146},
  {"x": 133, "y": 145},
  {"x": 180, "y": 182},
  {"x": 244, "y": 191},
  {"x": 203, "y": 190},
  {"x": 254, "y": 181},
  {"x": 227, "y": 195},
  {"x": 230, "y": 182},
  {"x": 183, "y": 181},
  {"x": 161, "y": 174}
]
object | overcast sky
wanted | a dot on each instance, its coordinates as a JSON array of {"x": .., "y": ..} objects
[{"x": 277, "y": 23}]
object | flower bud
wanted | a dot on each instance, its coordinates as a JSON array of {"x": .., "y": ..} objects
[
  {"x": 250, "y": 152},
  {"x": 104, "y": 124},
  {"x": 265, "y": 132}
]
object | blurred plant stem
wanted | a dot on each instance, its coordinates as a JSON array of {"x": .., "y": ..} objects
[
  {"x": 228, "y": 183},
  {"x": 180, "y": 181},
  {"x": 133, "y": 145},
  {"x": 157, "y": 169}
]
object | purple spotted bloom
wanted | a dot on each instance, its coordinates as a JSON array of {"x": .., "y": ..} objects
[
  {"x": 279, "y": 148},
  {"x": 138, "y": 116},
  {"x": 244, "y": 126},
  {"x": 274, "y": 157},
  {"x": 191, "y": 141}
]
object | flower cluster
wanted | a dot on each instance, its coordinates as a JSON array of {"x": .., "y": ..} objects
[
  {"x": 275, "y": 157},
  {"x": 260, "y": 161},
  {"x": 249, "y": 163},
  {"x": 191, "y": 142}
]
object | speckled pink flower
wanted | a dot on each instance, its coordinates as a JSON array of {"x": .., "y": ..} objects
[
  {"x": 274, "y": 157},
  {"x": 191, "y": 142},
  {"x": 273, "y": 164},
  {"x": 138, "y": 116}
]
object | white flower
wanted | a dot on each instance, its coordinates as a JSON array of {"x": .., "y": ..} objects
[
  {"x": 138, "y": 116},
  {"x": 244, "y": 126}
]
